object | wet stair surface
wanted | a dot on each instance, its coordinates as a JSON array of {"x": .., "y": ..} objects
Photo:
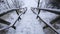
[{"x": 29, "y": 24}]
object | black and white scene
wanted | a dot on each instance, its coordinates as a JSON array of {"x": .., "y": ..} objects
[{"x": 29, "y": 16}]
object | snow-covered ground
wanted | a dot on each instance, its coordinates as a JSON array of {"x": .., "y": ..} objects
[{"x": 29, "y": 23}]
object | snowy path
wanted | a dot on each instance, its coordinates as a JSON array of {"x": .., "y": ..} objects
[{"x": 29, "y": 23}]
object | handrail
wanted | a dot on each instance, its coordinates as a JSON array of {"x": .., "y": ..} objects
[
  {"x": 9, "y": 10},
  {"x": 10, "y": 25},
  {"x": 48, "y": 25},
  {"x": 56, "y": 11},
  {"x": 47, "y": 9}
]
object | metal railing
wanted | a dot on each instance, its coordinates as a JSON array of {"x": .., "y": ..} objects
[
  {"x": 8, "y": 23},
  {"x": 55, "y": 11}
]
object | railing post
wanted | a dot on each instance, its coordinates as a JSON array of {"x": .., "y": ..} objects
[{"x": 38, "y": 6}]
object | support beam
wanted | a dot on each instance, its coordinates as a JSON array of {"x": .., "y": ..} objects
[{"x": 38, "y": 6}]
